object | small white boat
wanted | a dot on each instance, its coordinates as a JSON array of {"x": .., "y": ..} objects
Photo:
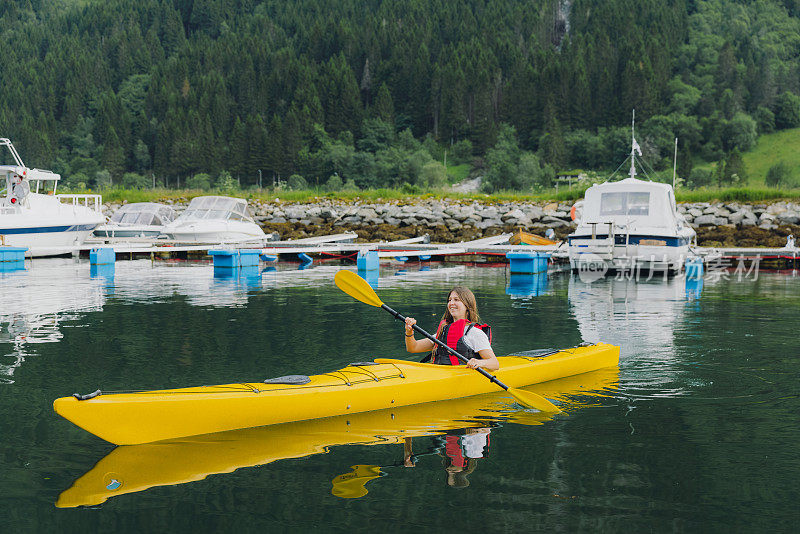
[
  {"x": 140, "y": 219},
  {"x": 46, "y": 223},
  {"x": 630, "y": 225},
  {"x": 214, "y": 219}
]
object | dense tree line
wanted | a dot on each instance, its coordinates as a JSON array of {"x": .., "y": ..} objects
[{"x": 373, "y": 93}]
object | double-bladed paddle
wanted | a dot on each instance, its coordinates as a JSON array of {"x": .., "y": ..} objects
[{"x": 359, "y": 289}]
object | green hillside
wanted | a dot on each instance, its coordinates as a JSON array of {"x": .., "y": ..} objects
[
  {"x": 773, "y": 148},
  {"x": 373, "y": 94}
]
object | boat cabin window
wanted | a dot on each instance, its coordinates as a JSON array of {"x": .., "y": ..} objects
[
  {"x": 132, "y": 214},
  {"x": 215, "y": 208},
  {"x": 625, "y": 203},
  {"x": 144, "y": 213}
]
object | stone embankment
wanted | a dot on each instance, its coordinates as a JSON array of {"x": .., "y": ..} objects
[{"x": 446, "y": 221}]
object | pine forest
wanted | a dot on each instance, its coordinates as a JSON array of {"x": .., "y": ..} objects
[{"x": 391, "y": 94}]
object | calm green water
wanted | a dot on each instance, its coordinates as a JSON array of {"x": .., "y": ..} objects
[{"x": 700, "y": 434}]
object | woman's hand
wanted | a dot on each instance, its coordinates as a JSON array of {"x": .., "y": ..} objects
[
  {"x": 410, "y": 322},
  {"x": 474, "y": 363},
  {"x": 413, "y": 344}
]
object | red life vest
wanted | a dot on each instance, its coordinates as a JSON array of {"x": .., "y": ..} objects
[{"x": 453, "y": 336}]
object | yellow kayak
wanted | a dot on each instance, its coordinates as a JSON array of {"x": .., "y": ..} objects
[
  {"x": 135, "y": 468},
  {"x": 143, "y": 417}
]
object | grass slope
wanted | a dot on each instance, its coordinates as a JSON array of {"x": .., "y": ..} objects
[{"x": 771, "y": 149}]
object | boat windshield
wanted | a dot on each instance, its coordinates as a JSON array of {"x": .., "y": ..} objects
[
  {"x": 625, "y": 203},
  {"x": 216, "y": 208},
  {"x": 143, "y": 213}
]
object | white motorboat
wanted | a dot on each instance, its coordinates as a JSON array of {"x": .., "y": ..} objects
[
  {"x": 46, "y": 223},
  {"x": 630, "y": 225},
  {"x": 214, "y": 219},
  {"x": 139, "y": 219}
]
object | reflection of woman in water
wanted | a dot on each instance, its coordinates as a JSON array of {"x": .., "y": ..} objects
[
  {"x": 460, "y": 450},
  {"x": 462, "y": 453}
]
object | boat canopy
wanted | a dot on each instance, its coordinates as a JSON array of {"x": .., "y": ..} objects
[
  {"x": 143, "y": 213},
  {"x": 216, "y": 208},
  {"x": 631, "y": 200}
]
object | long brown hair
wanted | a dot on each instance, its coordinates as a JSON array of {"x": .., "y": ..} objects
[{"x": 468, "y": 299}]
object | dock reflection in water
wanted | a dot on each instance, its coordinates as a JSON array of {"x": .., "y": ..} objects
[{"x": 134, "y": 468}]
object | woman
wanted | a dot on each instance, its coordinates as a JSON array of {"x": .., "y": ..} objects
[{"x": 457, "y": 329}]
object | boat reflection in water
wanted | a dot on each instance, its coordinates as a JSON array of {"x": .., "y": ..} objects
[
  {"x": 134, "y": 468},
  {"x": 650, "y": 320},
  {"x": 614, "y": 309},
  {"x": 34, "y": 304}
]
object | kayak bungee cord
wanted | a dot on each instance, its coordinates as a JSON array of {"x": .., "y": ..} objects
[{"x": 246, "y": 387}]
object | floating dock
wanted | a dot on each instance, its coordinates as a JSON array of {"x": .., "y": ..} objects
[{"x": 484, "y": 250}]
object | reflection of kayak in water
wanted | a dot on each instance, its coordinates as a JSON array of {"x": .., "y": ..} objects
[
  {"x": 143, "y": 417},
  {"x": 129, "y": 469}
]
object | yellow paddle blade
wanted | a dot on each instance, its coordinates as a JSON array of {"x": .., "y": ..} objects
[
  {"x": 532, "y": 400},
  {"x": 357, "y": 287}
]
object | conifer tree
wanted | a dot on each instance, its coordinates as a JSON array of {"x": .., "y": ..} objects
[{"x": 383, "y": 107}]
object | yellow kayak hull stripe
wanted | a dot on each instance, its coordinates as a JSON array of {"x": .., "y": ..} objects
[{"x": 143, "y": 417}]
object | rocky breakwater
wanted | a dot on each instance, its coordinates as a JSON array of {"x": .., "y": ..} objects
[
  {"x": 728, "y": 224},
  {"x": 445, "y": 221},
  {"x": 733, "y": 224}
]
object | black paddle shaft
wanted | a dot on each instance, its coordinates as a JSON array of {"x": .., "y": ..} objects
[{"x": 455, "y": 353}]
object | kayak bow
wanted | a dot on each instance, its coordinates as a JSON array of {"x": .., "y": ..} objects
[{"x": 143, "y": 417}]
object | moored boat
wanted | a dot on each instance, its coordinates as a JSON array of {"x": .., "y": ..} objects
[
  {"x": 214, "y": 219},
  {"x": 142, "y": 417},
  {"x": 45, "y": 223},
  {"x": 630, "y": 225},
  {"x": 526, "y": 238},
  {"x": 138, "y": 219}
]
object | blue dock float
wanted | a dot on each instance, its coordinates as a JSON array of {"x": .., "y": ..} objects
[
  {"x": 527, "y": 262},
  {"x": 102, "y": 256},
  {"x": 248, "y": 257},
  {"x": 234, "y": 259},
  {"x": 12, "y": 258},
  {"x": 224, "y": 258},
  {"x": 694, "y": 268},
  {"x": 367, "y": 261}
]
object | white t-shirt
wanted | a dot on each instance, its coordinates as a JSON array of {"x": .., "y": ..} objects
[{"x": 477, "y": 340}]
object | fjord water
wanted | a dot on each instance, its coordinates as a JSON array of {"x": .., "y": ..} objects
[{"x": 698, "y": 431}]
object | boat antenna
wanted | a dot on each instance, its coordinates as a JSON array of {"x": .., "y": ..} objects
[
  {"x": 674, "y": 163},
  {"x": 634, "y": 146}
]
